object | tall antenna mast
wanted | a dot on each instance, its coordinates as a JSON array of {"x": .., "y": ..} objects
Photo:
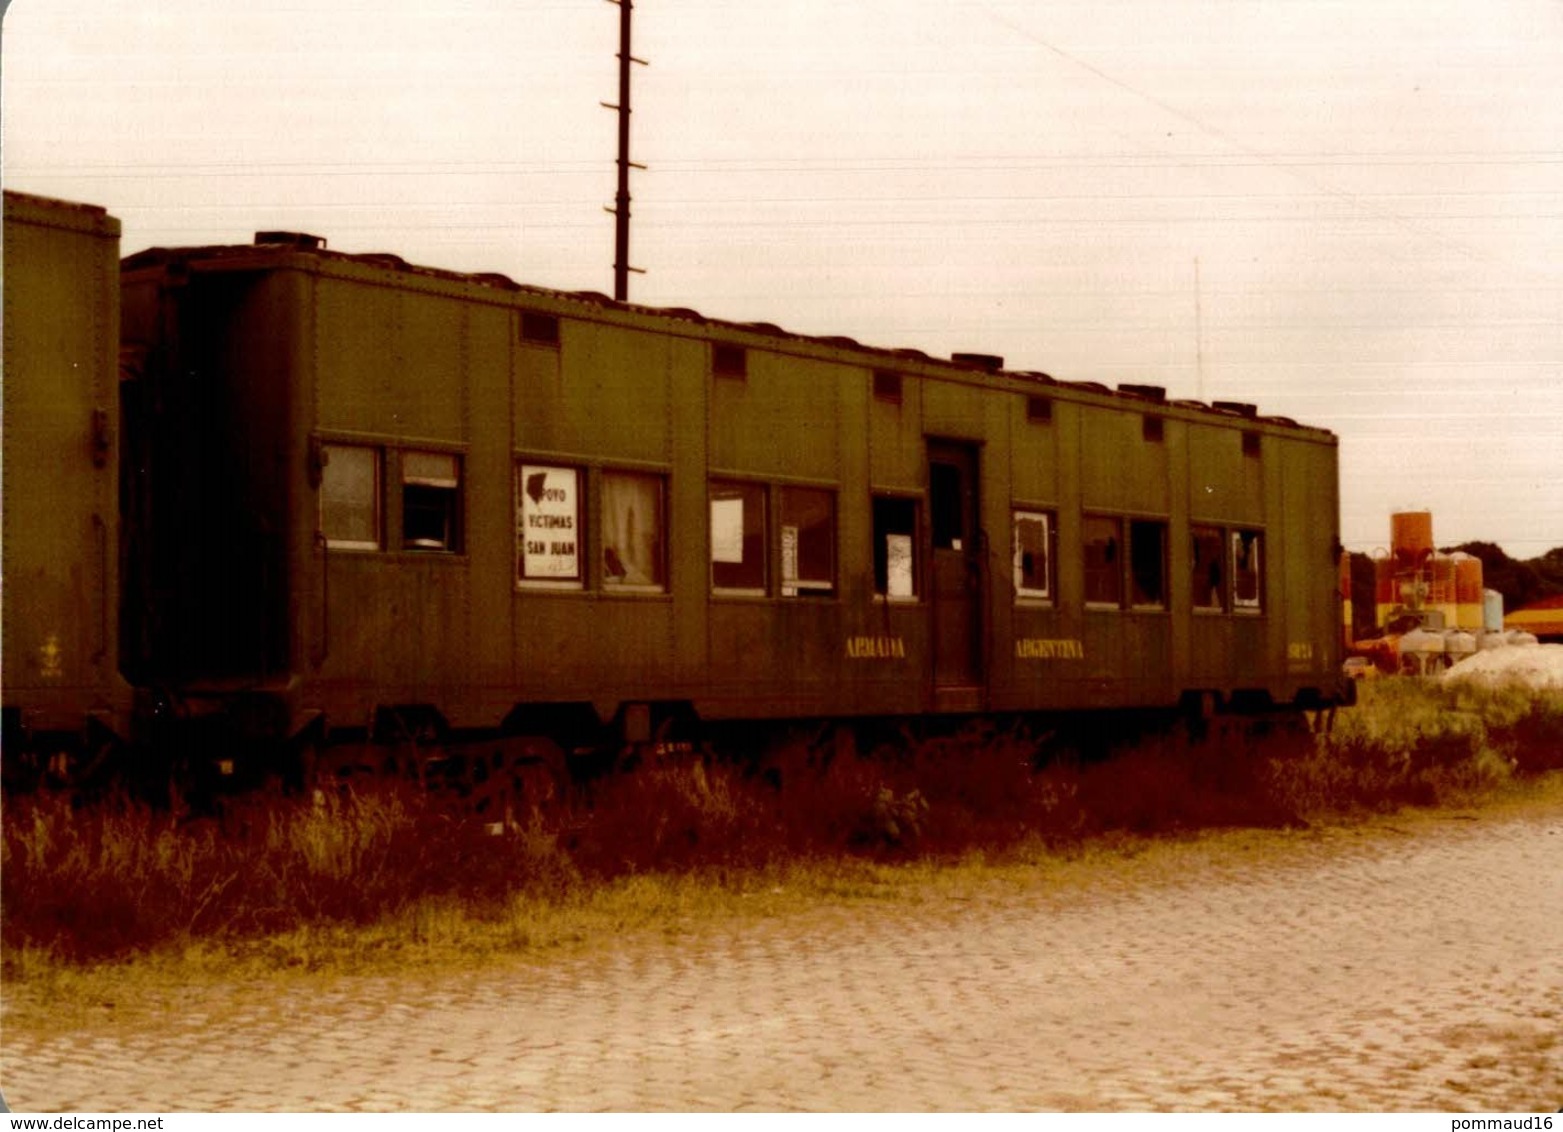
[
  {"x": 621, "y": 201},
  {"x": 1199, "y": 335}
]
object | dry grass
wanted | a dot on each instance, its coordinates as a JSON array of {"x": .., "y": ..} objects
[
  {"x": 1416, "y": 743},
  {"x": 394, "y": 872}
]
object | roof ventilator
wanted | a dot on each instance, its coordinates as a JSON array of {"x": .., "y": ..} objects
[
  {"x": 301, "y": 240},
  {"x": 990, "y": 362},
  {"x": 1150, "y": 392}
]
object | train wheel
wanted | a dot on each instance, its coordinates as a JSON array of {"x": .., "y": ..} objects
[
  {"x": 301, "y": 763},
  {"x": 509, "y": 780},
  {"x": 86, "y": 770}
]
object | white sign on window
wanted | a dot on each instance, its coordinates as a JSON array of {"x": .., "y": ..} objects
[
  {"x": 727, "y": 530},
  {"x": 550, "y": 546},
  {"x": 898, "y": 565},
  {"x": 789, "y": 549}
]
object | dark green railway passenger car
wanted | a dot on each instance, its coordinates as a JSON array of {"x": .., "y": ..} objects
[
  {"x": 63, "y": 698},
  {"x": 364, "y": 487}
]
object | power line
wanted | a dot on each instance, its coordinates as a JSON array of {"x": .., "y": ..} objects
[{"x": 1227, "y": 139}]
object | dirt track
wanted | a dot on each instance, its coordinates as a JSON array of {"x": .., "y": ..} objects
[{"x": 1384, "y": 969}]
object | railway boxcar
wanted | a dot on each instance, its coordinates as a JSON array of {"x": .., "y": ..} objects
[
  {"x": 368, "y": 491},
  {"x": 63, "y": 697}
]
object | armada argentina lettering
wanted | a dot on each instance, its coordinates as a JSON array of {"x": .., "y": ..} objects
[
  {"x": 1037, "y": 648},
  {"x": 876, "y": 648}
]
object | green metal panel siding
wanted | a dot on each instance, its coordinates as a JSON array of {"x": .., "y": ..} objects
[
  {"x": 603, "y": 398},
  {"x": 954, "y": 410},
  {"x": 1068, "y": 421},
  {"x": 782, "y": 418},
  {"x": 602, "y": 390},
  {"x": 490, "y": 343},
  {"x": 389, "y": 360},
  {"x": 688, "y": 508},
  {"x": 1310, "y": 604},
  {"x": 1119, "y": 469},
  {"x": 895, "y": 439},
  {"x": 396, "y": 366},
  {"x": 61, "y": 351},
  {"x": 1034, "y": 463},
  {"x": 1179, "y": 557},
  {"x": 1223, "y": 483}
]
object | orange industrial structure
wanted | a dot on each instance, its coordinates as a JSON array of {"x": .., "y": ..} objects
[{"x": 1431, "y": 609}]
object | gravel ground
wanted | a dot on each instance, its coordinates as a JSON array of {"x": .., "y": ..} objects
[{"x": 1409, "y": 967}]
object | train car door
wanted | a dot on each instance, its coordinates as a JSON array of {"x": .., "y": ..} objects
[{"x": 957, "y": 575}]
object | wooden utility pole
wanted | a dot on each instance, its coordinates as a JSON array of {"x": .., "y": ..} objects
[{"x": 621, "y": 200}]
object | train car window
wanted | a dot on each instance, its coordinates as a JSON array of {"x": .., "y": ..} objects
[
  {"x": 738, "y": 537},
  {"x": 1039, "y": 410},
  {"x": 887, "y": 386},
  {"x": 1206, "y": 586},
  {"x": 1034, "y": 554},
  {"x": 350, "y": 497},
  {"x": 1103, "y": 541},
  {"x": 1247, "y": 583},
  {"x": 895, "y": 547},
  {"x": 1147, "y": 564},
  {"x": 431, "y": 501},
  {"x": 1152, "y": 430},
  {"x": 634, "y": 557},
  {"x": 1251, "y": 444},
  {"x": 808, "y": 541},
  {"x": 548, "y": 524}
]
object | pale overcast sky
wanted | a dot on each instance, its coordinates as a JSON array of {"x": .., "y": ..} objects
[{"x": 1347, "y": 211}]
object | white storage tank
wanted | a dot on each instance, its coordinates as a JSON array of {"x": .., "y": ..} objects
[
  {"x": 1421, "y": 652},
  {"x": 1492, "y": 611},
  {"x": 1458, "y": 644}
]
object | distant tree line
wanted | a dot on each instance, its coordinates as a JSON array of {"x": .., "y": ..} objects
[{"x": 1521, "y": 582}]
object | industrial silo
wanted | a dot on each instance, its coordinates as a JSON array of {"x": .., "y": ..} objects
[
  {"x": 1443, "y": 588},
  {"x": 1468, "y": 592},
  {"x": 1492, "y": 611},
  {"x": 1411, "y": 539}
]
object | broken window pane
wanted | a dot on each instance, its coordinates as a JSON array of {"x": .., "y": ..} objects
[
  {"x": 548, "y": 523},
  {"x": 632, "y": 532},
  {"x": 431, "y": 498},
  {"x": 1148, "y": 564},
  {"x": 1033, "y": 554},
  {"x": 1205, "y": 570},
  {"x": 1246, "y": 581},
  {"x": 350, "y": 496},
  {"x": 1103, "y": 539},
  {"x": 808, "y": 540}
]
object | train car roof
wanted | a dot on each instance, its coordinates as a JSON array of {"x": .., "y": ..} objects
[
  {"x": 58, "y": 213},
  {"x": 280, "y": 250}
]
